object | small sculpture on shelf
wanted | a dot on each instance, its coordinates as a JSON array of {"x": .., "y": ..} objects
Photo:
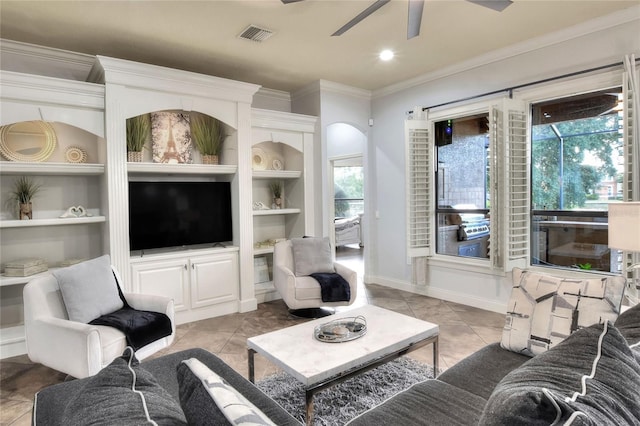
[
  {"x": 24, "y": 190},
  {"x": 276, "y": 190},
  {"x": 74, "y": 211}
]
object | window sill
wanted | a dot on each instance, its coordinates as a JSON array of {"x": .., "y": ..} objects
[{"x": 481, "y": 266}]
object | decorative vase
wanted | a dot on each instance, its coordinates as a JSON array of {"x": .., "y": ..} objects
[
  {"x": 277, "y": 202},
  {"x": 209, "y": 159},
  {"x": 134, "y": 156},
  {"x": 25, "y": 211}
]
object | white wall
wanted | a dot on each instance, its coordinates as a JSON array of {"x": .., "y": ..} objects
[
  {"x": 597, "y": 43},
  {"x": 333, "y": 103}
]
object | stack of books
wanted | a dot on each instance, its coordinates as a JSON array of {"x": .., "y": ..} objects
[{"x": 25, "y": 267}]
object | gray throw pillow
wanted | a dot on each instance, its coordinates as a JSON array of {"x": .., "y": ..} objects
[
  {"x": 590, "y": 378},
  {"x": 311, "y": 255},
  {"x": 89, "y": 289},
  {"x": 629, "y": 324},
  {"x": 123, "y": 393}
]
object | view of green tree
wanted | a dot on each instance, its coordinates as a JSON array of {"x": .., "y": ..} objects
[
  {"x": 594, "y": 139},
  {"x": 348, "y": 184}
]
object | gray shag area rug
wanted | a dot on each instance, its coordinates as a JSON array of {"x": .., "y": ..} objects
[{"x": 338, "y": 404}]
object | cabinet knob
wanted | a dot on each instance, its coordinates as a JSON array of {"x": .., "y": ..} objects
[{"x": 185, "y": 267}]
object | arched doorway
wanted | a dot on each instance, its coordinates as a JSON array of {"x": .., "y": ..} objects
[{"x": 346, "y": 152}]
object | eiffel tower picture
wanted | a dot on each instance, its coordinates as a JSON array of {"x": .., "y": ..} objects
[
  {"x": 171, "y": 137},
  {"x": 171, "y": 155}
]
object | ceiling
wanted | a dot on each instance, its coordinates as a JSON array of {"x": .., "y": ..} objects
[{"x": 202, "y": 36}]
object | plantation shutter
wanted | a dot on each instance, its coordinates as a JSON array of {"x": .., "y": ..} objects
[
  {"x": 509, "y": 243},
  {"x": 496, "y": 150},
  {"x": 631, "y": 143},
  {"x": 419, "y": 158}
]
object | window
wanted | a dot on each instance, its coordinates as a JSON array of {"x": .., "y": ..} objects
[
  {"x": 463, "y": 186},
  {"x": 577, "y": 166},
  {"x": 467, "y": 186},
  {"x": 349, "y": 191}
]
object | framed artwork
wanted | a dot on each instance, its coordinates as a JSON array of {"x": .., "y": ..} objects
[{"x": 171, "y": 137}]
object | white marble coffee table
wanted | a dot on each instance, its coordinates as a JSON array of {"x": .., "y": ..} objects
[{"x": 318, "y": 365}]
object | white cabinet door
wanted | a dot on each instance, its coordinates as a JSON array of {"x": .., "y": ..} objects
[
  {"x": 214, "y": 279},
  {"x": 168, "y": 278}
]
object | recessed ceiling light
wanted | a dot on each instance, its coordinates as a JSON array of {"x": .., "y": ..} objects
[{"x": 386, "y": 55}]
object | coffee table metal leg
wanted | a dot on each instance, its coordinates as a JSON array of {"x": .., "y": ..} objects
[
  {"x": 250, "y": 354},
  {"x": 436, "y": 357},
  {"x": 309, "y": 407}
]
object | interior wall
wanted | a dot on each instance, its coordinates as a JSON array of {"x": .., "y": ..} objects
[
  {"x": 344, "y": 105},
  {"x": 579, "y": 49},
  {"x": 332, "y": 103}
]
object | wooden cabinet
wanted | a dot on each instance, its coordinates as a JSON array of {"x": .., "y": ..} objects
[
  {"x": 202, "y": 283},
  {"x": 214, "y": 279},
  {"x": 164, "y": 277}
]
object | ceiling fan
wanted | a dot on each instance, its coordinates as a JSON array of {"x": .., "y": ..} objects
[{"x": 415, "y": 13}]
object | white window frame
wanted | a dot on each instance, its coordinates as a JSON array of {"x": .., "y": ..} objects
[
  {"x": 501, "y": 246},
  {"x": 562, "y": 89}
]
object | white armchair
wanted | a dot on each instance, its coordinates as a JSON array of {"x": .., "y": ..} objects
[
  {"x": 78, "y": 349},
  {"x": 303, "y": 292}
]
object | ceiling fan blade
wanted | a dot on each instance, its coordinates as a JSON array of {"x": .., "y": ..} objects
[
  {"x": 498, "y": 5},
  {"x": 415, "y": 18},
  {"x": 359, "y": 17}
]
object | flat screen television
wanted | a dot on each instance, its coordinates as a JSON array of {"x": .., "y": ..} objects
[{"x": 174, "y": 214}]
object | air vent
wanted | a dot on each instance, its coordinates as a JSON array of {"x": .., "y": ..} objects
[{"x": 257, "y": 34}]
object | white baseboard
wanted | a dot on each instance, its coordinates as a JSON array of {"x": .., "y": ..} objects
[
  {"x": 438, "y": 293},
  {"x": 247, "y": 305},
  {"x": 267, "y": 296},
  {"x": 12, "y": 342}
]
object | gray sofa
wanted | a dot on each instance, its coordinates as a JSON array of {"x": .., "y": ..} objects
[
  {"x": 492, "y": 386},
  {"x": 495, "y": 386}
]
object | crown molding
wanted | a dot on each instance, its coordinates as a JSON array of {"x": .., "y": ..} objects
[
  {"x": 620, "y": 17},
  {"x": 282, "y": 120},
  {"x": 162, "y": 79},
  {"x": 276, "y": 99},
  {"x": 22, "y": 87},
  {"x": 65, "y": 62}
]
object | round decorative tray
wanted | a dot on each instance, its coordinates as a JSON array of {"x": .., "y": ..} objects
[{"x": 341, "y": 330}]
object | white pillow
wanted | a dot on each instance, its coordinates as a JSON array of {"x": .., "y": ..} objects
[
  {"x": 237, "y": 409},
  {"x": 311, "y": 255},
  {"x": 544, "y": 309},
  {"x": 89, "y": 289}
]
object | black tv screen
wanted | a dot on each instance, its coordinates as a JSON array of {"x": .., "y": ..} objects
[{"x": 174, "y": 214}]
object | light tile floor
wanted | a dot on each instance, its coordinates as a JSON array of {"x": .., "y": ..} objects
[{"x": 463, "y": 330}]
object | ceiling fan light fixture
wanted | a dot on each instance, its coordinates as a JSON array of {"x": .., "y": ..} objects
[{"x": 386, "y": 55}]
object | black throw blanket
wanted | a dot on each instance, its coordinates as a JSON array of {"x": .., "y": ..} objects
[
  {"x": 333, "y": 287},
  {"x": 140, "y": 327}
]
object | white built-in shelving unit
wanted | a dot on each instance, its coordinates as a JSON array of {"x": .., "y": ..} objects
[
  {"x": 282, "y": 151},
  {"x": 204, "y": 281},
  {"x": 75, "y": 111}
]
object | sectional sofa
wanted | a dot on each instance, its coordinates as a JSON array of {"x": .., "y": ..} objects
[{"x": 590, "y": 377}]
